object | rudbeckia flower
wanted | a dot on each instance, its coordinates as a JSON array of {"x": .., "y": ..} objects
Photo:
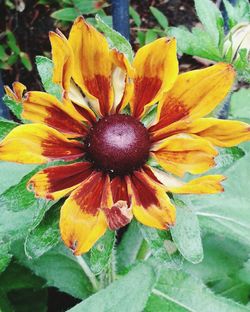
[{"x": 109, "y": 179}]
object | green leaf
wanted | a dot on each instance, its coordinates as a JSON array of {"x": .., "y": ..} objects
[
  {"x": 197, "y": 43},
  {"x": 5, "y": 256},
  {"x": 58, "y": 267},
  {"x": 186, "y": 233},
  {"x": 25, "y": 61},
  {"x": 239, "y": 106},
  {"x": 244, "y": 273},
  {"x": 11, "y": 174},
  {"x": 211, "y": 18},
  {"x": 5, "y": 305},
  {"x": 227, "y": 156},
  {"x": 45, "y": 235},
  {"x": 129, "y": 246},
  {"x": 66, "y": 14},
  {"x": 231, "y": 13},
  {"x": 221, "y": 261},
  {"x": 6, "y": 126},
  {"x": 161, "y": 247},
  {"x": 151, "y": 35},
  {"x": 228, "y": 213},
  {"x": 135, "y": 16},
  {"x": 86, "y": 6},
  {"x": 160, "y": 17},
  {"x": 18, "y": 277},
  {"x": 101, "y": 252},
  {"x": 45, "y": 70},
  {"x": 11, "y": 41},
  {"x": 15, "y": 107},
  {"x": 115, "y": 39},
  {"x": 129, "y": 293},
  {"x": 20, "y": 210},
  {"x": 178, "y": 289}
]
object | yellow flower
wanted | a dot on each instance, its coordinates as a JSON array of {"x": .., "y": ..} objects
[{"x": 110, "y": 180}]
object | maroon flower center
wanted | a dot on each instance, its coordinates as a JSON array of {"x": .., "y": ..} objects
[{"x": 117, "y": 144}]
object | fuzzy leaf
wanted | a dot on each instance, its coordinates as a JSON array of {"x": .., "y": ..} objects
[
  {"x": 115, "y": 39},
  {"x": 211, "y": 18},
  {"x": 15, "y": 107},
  {"x": 129, "y": 246},
  {"x": 129, "y": 293},
  {"x": 186, "y": 233},
  {"x": 101, "y": 252},
  {"x": 19, "y": 210},
  {"x": 6, "y": 126},
  {"x": 58, "y": 267},
  {"x": 179, "y": 290},
  {"x": 45, "y": 70},
  {"x": 45, "y": 235}
]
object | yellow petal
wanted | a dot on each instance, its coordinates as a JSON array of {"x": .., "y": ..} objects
[
  {"x": 194, "y": 95},
  {"x": 81, "y": 221},
  {"x": 225, "y": 133},
  {"x": 156, "y": 71},
  {"x": 210, "y": 184},
  {"x": 45, "y": 108},
  {"x": 62, "y": 57},
  {"x": 18, "y": 91},
  {"x": 150, "y": 203},
  {"x": 121, "y": 80},
  {"x": 58, "y": 181},
  {"x": 38, "y": 144},
  {"x": 92, "y": 64},
  {"x": 180, "y": 154}
]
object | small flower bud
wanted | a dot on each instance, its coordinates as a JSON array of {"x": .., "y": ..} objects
[{"x": 238, "y": 38}]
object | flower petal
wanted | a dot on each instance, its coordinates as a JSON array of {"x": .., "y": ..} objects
[
  {"x": 38, "y": 144},
  {"x": 56, "y": 182},
  {"x": 18, "y": 91},
  {"x": 150, "y": 203},
  {"x": 210, "y": 184},
  {"x": 194, "y": 95},
  {"x": 62, "y": 56},
  {"x": 122, "y": 84},
  {"x": 45, "y": 108},
  {"x": 117, "y": 206},
  {"x": 180, "y": 154},
  {"x": 92, "y": 64},
  {"x": 81, "y": 221},
  {"x": 225, "y": 133},
  {"x": 156, "y": 70}
]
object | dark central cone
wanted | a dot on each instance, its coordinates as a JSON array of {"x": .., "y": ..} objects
[{"x": 118, "y": 144}]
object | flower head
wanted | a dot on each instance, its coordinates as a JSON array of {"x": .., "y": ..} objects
[{"x": 109, "y": 179}]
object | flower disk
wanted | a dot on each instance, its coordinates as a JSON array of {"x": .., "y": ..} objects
[{"x": 118, "y": 144}]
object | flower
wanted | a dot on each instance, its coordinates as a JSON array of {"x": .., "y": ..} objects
[{"x": 109, "y": 179}]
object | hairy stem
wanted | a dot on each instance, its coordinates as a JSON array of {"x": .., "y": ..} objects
[{"x": 88, "y": 272}]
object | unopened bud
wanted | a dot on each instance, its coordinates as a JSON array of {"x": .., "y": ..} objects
[{"x": 238, "y": 38}]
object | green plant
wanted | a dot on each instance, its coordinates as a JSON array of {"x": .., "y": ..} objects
[
  {"x": 208, "y": 41},
  {"x": 202, "y": 264},
  {"x": 10, "y": 52},
  {"x": 73, "y": 8}
]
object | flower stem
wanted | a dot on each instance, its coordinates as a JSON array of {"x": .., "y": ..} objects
[{"x": 88, "y": 272}]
